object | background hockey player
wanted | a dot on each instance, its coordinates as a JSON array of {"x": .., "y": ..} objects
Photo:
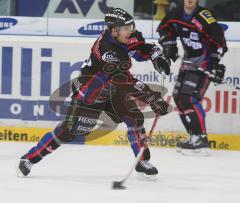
[
  {"x": 204, "y": 45},
  {"x": 104, "y": 85}
]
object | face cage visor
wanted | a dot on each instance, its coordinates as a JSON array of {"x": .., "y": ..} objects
[{"x": 127, "y": 27}]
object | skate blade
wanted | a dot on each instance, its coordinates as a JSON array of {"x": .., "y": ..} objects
[
  {"x": 196, "y": 152},
  {"x": 145, "y": 177},
  {"x": 18, "y": 171}
]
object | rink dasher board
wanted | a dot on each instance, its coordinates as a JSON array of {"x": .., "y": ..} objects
[
  {"x": 87, "y": 27},
  {"x": 34, "y": 67},
  {"x": 118, "y": 137}
]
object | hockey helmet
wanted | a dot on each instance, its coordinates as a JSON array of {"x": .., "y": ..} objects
[{"x": 117, "y": 17}]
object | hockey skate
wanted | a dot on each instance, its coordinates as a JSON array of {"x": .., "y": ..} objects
[
  {"x": 146, "y": 171},
  {"x": 181, "y": 143},
  {"x": 197, "y": 145},
  {"x": 24, "y": 167}
]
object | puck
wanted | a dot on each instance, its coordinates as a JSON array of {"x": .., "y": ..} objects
[{"x": 118, "y": 186}]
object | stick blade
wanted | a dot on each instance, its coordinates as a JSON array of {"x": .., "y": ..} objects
[{"x": 117, "y": 185}]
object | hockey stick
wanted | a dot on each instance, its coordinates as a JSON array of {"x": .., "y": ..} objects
[
  {"x": 211, "y": 75},
  {"x": 119, "y": 184}
]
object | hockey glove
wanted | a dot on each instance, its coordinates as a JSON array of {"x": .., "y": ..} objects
[
  {"x": 160, "y": 63},
  {"x": 170, "y": 51},
  {"x": 157, "y": 104},
  {"x": 218, "y": 73}
]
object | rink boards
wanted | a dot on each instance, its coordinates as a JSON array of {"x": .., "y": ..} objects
[
  {"x": 118, "y": 138},
  {"x": 34, "y": 67}
]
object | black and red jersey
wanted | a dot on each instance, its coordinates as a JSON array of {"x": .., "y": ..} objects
[
  {"x": 109, "y": 63},
  {"x": 112, "y": 58},
  {"x": 199, "y": 33}
]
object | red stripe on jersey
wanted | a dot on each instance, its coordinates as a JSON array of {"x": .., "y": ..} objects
[{"x": 169, "y": 22}]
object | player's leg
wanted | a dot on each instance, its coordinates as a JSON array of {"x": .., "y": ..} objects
[
  {"x": 79, "y": 121},
  {"x": 188, "y": 92},
  {"x": 83, "y": 109},
  {"x": 127, "y": 111}
]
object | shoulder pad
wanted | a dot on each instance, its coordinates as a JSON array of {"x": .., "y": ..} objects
[{"x": 207, "y": 16}]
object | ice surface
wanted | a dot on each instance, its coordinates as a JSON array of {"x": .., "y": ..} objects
[{"x": 76, "y": 173}]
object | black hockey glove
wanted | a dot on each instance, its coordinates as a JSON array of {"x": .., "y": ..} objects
[
  {"x": 218, "y": 69},
  {"x": 170, "y": 51},
  {"x": 160, "y": 63},
  {"x": 218, "y": 72},
  {"x": 157, "y": 104}
]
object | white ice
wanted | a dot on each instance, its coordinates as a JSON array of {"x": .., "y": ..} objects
[{"x": 76, "y": 173}]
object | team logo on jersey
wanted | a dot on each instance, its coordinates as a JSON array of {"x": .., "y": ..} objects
[
  {"x": 207, "y": 16},
  {"x": 195, "y": 45},
  {"x": 194, "y": 36},
  {"x": 110, "y": 56}
]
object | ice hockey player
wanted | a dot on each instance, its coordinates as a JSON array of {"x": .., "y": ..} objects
[
  {"x": 104, "y": 86},
  {"x": 204, "y": 45}
]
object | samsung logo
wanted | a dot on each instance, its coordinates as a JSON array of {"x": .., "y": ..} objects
[
  {"x": 6, "y": 23},
  {"x": 93, "y": 28}
]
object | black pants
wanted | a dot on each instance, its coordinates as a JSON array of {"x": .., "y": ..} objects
[
  {"x": 82, "y": 118},
  {"x": 188, "y": 93}
]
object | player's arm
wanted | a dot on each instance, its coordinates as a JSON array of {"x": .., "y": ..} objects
[
  {"x": 214, "y": 32},
  {"x": 142, "y": 92},
  {"x": 168, "y": 35},
  {"x": 215, "y": 35},
  {"x": 142, "y": 51},
  {"x": 138, "y": 48}
]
